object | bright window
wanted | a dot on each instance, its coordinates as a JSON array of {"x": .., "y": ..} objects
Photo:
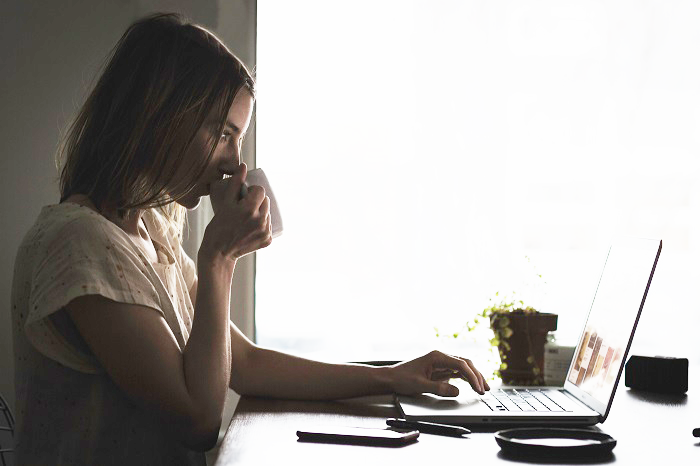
[{"x": 421, "y": 150}]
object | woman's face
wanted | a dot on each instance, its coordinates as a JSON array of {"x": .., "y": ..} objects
[{"x": 227, "y": 152}]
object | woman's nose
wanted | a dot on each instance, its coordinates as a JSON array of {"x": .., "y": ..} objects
[{"x": 237, "y": 153}]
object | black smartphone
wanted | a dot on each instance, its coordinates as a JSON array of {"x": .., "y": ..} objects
[{"x": 357, "y": 436}]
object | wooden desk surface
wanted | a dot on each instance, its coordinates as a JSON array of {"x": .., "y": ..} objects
[{"x": 650, "y": 429}]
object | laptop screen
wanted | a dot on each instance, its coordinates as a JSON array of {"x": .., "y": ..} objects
[{"x": 613, "y": 316}]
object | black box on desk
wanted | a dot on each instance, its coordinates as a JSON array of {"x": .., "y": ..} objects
[{"x": 657, "y": 374}]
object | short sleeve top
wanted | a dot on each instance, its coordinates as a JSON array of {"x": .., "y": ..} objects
[{"x": 68, "y": 410}]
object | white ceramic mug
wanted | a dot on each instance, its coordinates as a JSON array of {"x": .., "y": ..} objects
[{"x": 257, "y": 177}]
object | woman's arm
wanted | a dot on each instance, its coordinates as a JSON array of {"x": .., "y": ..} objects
[
  {"x": 134, "y": 344},
  {"x": 263, "y": 372}
]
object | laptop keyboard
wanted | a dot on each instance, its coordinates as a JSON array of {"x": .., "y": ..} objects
[{"x": 512, "y": 399}]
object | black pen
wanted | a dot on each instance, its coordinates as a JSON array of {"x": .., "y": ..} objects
[
  {"x": 428, "y": 427},
  {"x": 696, "y": 432}
]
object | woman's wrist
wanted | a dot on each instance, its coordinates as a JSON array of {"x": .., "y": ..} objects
[
  {"x": 214, "y": 261},
  {"x": 383, "y": 377}
]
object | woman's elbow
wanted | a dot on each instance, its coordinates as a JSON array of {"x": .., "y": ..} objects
[
  {"x": 204, "y": 443},
  {"x": 243, "y": 371},
  {"x": 201, "y": 435},
  {"x": 237, "y": 385}
]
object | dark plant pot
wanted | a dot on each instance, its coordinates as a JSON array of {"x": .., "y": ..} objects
[{"x": 523, "y": 350}]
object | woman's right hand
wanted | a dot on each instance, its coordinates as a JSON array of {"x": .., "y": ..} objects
[{"x": 240, "y": 225}]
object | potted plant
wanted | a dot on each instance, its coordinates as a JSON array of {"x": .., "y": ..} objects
[{"x": 519, "y": 333}]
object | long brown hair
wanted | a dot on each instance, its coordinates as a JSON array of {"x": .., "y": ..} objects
[{"x": 162, "y": 79}]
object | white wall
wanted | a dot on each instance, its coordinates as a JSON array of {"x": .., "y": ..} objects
[{"x": 49, "y": 54}]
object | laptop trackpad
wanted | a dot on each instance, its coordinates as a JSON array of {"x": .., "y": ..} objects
[{"x": 427, "y": 405}]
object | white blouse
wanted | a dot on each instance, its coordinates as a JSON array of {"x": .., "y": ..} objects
[{"x": 68, "y": 409}]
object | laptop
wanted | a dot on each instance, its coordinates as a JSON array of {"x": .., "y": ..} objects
[{"x": 594, "y": 372}]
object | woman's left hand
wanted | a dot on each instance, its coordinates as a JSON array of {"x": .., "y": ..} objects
[{"x": 431, "y": 374}]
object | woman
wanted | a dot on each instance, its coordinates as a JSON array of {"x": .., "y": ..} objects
[{"x": 123, "y": 351}]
